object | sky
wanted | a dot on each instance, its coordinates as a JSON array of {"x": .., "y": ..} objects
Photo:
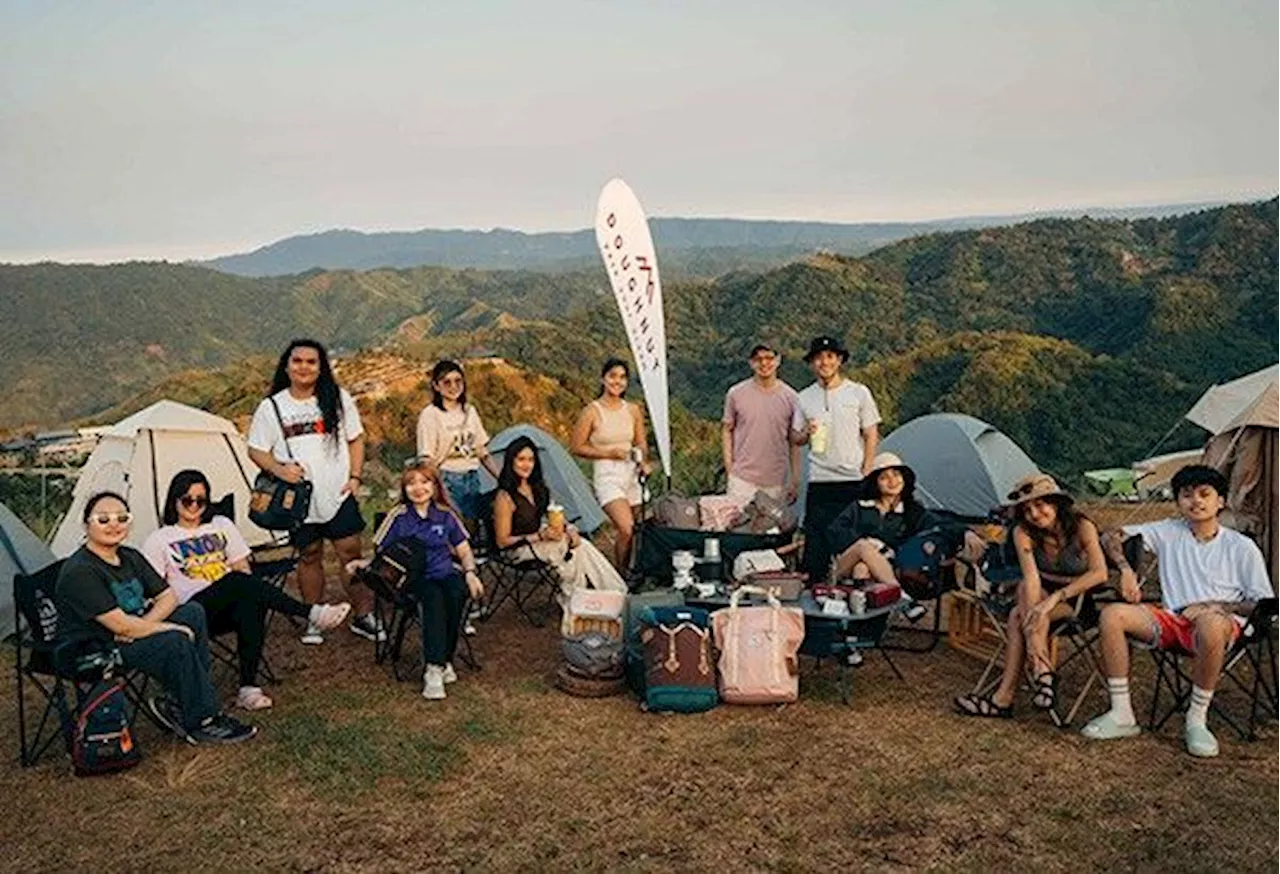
[{"x": 174, "y": 129}]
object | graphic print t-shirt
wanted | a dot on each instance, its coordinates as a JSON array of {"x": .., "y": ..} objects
[
  {"x": 88, "y": 587},
  {"x": 452, "y": 438},
  {"x": 327, "y": 462},
  {"x": 190, "y": 559}
]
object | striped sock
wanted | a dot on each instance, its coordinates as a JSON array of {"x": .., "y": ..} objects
[
  {"x": 1198, "y": 709},
  {"x": 1121, "y": 706}
]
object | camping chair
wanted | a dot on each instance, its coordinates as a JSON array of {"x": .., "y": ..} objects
[
  {"x": 925, "y": 566},
  {"x": 516, "y": 573},
  {"x": 398, "y": 612},
  {"x": 56, "y": 668},
  {"x": 1254, "y": 648}
]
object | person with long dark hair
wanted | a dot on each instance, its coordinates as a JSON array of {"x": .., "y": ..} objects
[
  {"x": 519, "y": 508},
  {"x": 451, "y": 436},
  {"x": 108, "y": 593},
  {"x": 309, "y": 428},
  {"x": 205, "y": 560},
  {"x": 427, "y": 520},
  {"x": 610, "y": 432},
  {"x": 1061, "y": 558}
]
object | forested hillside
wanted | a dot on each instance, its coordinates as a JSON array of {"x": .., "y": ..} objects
[{"x": 1084, "y": 339}]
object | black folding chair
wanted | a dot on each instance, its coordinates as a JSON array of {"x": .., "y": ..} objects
[
  {"x": 515, "y": 573},
  {"x": 61, "y": 672},
  {"x": 1250, "y": 668}
]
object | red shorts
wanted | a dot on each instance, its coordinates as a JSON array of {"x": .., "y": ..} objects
[{"x": 1174, "y": 631}]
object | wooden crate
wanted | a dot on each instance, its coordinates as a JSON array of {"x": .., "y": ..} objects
[{"x": 971, "y": 631}]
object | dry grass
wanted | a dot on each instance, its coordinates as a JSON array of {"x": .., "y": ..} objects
[{"x": 354, "y": 772}]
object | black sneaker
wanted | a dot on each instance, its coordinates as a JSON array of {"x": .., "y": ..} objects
[
  {"x": 915, "y": 612},
  {"x": 223, "y": 729},
  {"x": 369, "y": 627},
  {"x": 166, "y": 712}
]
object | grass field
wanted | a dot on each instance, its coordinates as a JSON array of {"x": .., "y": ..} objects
[{"x": 355, "y": 772}]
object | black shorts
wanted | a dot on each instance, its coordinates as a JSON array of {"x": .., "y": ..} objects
[{"x": 346, "y": 521}]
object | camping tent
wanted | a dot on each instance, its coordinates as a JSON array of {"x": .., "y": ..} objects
[
  {"x": 1152, "y": 474},
  {"x": 21, "y": 552},
  {"x": 962, "y": 464},
  {"x": 1111, "y": 482},
  {"x": 140, "y": 454},
  {"x": 1243, "y": 417},
  {"x": 568, "y": 486}
]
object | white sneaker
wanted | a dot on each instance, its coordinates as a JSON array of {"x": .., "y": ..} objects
[
  {"x": 853, "y": 658},
  {"x": 433, "y": 683},
  {"x": 329, "y": 616},
  {"x": 449, "y": 674},
  {"x": 312, "y": 636}
]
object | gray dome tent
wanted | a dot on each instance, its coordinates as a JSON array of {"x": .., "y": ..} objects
[
  {"x": 21, "y": 552},
  {"x": 962, "y": 464}
]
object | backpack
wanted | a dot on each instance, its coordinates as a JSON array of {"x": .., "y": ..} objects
[
  {"x": 102, "y": 741},
  {"x": 921, "y": 561},
  {"x": 680, "y": 666},
  {"x": 637, "y": 603}
]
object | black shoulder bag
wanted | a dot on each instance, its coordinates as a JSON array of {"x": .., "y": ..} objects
[{"x": 275, "y": 504}]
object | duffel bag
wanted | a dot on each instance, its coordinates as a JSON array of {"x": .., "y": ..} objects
[{"x": 674, "y": 510}]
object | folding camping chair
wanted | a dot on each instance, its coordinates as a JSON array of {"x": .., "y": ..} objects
[
  {"x": 56, "y": 668},
  {"x": 516, "y": 573},
  {"x": 1254, "y": 648},
  {"x": 398, "y": 612}
]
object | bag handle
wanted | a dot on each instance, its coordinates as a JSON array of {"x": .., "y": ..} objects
[
  {"x": 280, "y": 420},
  {"x": 753, "y": 590}
]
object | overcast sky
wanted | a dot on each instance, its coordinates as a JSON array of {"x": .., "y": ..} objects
[{"x": 174, "y": 129}]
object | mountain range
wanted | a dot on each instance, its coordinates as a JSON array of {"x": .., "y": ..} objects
[
  {"x": 1083, "y": 339},
  {"x": 690, "y": 247}
]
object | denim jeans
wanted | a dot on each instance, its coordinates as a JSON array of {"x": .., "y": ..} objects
[{"x": 464, "y": 491}]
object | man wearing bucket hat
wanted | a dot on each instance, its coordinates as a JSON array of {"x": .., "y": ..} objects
[{"x": 840, "y": 422}]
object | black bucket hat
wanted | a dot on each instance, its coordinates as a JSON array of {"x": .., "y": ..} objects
[{"x": 826, "y": 344}]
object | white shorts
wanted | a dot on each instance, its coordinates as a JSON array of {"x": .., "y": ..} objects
[
  {"x": 744, "y": 492},
  {"x": 614, "y": 480}
]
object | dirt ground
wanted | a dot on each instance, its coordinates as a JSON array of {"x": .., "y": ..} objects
[{"x": 353, "y": 771}]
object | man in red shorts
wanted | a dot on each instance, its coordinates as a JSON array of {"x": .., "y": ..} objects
[{"x": 1210, "y": 579}]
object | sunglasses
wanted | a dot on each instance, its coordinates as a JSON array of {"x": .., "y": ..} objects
[
  {"x": 1024, "y": 489},
  {"x": 416, "y": 461},
  {"x": 107, "y": 518},
  {"x": 188, "y": 501}
]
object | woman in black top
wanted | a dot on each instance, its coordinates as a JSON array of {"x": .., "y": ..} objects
[
  {"x": 518, "y": 508},
  {"x": 109, "y": 592}
]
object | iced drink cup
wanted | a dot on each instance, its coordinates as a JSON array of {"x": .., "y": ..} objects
[{"x": 555, "y": 518}]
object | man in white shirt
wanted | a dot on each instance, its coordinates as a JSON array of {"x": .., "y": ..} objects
[
  {"x": 839, "y": 420},
  {"x": 1210, "y": 579}
]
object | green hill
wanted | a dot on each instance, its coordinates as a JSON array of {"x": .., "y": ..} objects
[{"x": 1084, "y": 339}]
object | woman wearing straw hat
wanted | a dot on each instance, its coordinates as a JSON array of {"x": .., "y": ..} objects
[{"x": 1060, "y": 558}]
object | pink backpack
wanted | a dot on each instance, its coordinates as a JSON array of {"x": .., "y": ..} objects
[{"x": 758, "y": 650}]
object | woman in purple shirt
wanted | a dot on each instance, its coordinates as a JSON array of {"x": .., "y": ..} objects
[{"x": 425, "y": 516}]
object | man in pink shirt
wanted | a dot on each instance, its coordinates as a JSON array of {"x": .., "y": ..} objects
[{"x": 758, "y": 432}]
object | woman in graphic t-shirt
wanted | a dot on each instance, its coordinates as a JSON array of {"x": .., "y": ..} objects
[
  {"x": 309, "y": 428},
  {"x": 451, "y": 436},
  {"x": 205, "y": 559},
  {"x": 611, "y": 432}
]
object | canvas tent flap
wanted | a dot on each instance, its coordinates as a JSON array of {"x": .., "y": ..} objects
[
  {"x": 140, "y": 455},
  {"x": 21, "y": 552},
  {"x": 962, "y": 464},
  {"x": 564, "y": 478},
  {"x": 1222, "y": 405}
]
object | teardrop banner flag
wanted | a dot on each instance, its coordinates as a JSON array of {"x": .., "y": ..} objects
[{"x": 627, "y": 249}]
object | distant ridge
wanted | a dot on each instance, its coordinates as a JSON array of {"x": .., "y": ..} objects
[{"x": 721, "y": 244}]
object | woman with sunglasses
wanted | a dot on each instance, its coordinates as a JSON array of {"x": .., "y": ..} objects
[
  {"x": 108, "y": 593},
  {"x": 452, "y": 437},
  {"x": 308, "y": 428},
  {"x": 519, "y": 506},
  {"x": 204, "y": 559},
  {"x": 1060, "y": 558}
]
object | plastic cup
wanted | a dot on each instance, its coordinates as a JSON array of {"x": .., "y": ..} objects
[
  {"x": 555, "y": 517},
  {"x": 818, "y": 439}
]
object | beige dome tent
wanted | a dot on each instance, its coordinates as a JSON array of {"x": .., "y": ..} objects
[
  {"x": 140, "y": 454},
  {"x": 1243, "y": 416}
]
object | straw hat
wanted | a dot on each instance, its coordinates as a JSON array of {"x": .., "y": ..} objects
[{"x": 1036, "y": 485}]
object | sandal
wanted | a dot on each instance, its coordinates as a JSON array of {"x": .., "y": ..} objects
[
  {"x": 1046, "y": 690},
  {"x": 982, "y": 706}
]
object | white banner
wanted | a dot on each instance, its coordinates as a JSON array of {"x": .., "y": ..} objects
[{"x": 627, "y": 248}]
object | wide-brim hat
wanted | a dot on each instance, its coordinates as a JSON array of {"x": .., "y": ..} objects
[
  {"x": 826, "y": 344},
  {"x": 887, "y": 461},
  {"x": 1036, "y": 485}
]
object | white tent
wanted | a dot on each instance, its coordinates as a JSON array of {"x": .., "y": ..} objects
[
  {"x": 1243, "y": 398},
  {"x": 140, "y": 454}
]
